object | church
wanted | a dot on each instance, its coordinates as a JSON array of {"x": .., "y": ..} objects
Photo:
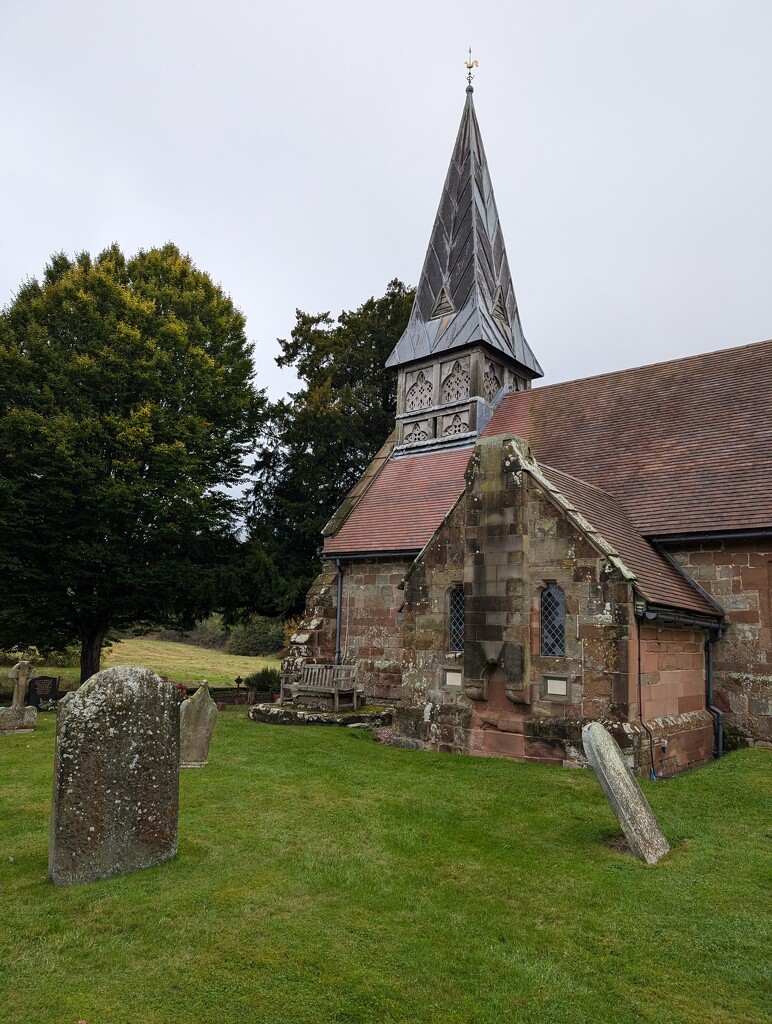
[{"x": 517, "y": 561}]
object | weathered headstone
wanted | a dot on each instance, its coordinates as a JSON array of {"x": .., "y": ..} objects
[
  {"x": 18, "y": 716},
  {"x": 198, "y": 717},
  {"x": 116, "y": 777},
  {"x": 624, "y": 794}
]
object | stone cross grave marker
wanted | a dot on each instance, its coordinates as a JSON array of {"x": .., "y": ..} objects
[
  {"x": 116, "y": 777},
  {"x": 624, "y": 794},
  {"x": 198, "y": 717},
  {"x": 18, "y": 716}
]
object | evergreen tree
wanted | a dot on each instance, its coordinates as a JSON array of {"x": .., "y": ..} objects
[
  {"x": 318, "y": 441},
  {"x": 126, "y": 408}
]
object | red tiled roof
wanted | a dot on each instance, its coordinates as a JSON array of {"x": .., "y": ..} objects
[
  {"x": 405, "y": 504},
  {"x": 684, "y": 446},
  {"x": 656, "y": 579}
]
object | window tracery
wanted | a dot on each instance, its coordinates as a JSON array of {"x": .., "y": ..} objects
[
  {"x": 456, "y": 426},
  {"x": 491, "y": 382},
  {"x": 456, "y": 384},
  {"x": 420, "y": 394},
  {"x": 416, "y": 433}
]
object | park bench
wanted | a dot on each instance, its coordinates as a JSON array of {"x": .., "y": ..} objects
[{"x": 336, "y": 681}]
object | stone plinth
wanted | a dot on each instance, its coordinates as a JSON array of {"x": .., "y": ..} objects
[
  {"x": 116, "y": 780},
  {"x": 624, "y": 794},
  {"x": 198, "y": 717}
]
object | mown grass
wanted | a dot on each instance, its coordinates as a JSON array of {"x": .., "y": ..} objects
[
  {"x": 181, "y": 663},
  {"x": 322, "y": 877},
  {"x": 184, "y": 663}
]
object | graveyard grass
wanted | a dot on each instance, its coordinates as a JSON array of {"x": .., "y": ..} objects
[{"x": 324, "y": 878}]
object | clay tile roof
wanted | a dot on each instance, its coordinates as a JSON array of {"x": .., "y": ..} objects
[
  {"x": 404, "y": 505},
  {"x": 656, "y": 579},
  {"x": 684, "y": 446}
]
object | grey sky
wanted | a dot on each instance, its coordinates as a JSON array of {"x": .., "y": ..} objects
[{"x": 297, "y": 151}]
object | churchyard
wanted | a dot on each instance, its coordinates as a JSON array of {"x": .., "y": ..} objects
[{"x": 323, "y": 877}]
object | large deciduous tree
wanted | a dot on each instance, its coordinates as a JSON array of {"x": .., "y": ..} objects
[
  {"x": 318, "y": 441},
  {"x": 127, "y": 408}
]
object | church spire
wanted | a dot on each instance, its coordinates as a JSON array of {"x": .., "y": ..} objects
[{"x": 465, "y": 295}]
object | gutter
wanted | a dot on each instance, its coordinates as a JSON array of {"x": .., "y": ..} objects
[{"x": 707, "y": 538}]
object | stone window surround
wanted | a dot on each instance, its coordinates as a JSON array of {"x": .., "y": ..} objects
[
  {"x": 554, "y": 592},
  {"x": 560, "y": 698},
  {"x": 455, "y": 609}
]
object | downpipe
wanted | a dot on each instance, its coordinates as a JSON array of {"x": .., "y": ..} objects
[
  {"x": 339, "y": 602},
  {"x": 718, "y": 715}
]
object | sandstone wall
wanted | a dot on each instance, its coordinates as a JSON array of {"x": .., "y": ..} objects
[
  {"x": 371, "y": 627},
  {"x": 739, "y": 576}
]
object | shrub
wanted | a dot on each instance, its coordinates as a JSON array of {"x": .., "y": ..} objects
[
  {"x": 264, "y": 679},
  {"x": 17, "y": 654},
  {"x": 259, "y": 635},
  {"x": 210, "y": 633}
]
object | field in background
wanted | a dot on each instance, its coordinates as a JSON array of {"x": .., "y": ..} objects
[
  {"x": 324, "y": 878},
  {"x": 184, "y": 663}
]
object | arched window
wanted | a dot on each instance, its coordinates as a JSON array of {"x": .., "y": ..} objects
[
  {"x": 553, "y": 622},
  {"x": 456, "y": 618}
]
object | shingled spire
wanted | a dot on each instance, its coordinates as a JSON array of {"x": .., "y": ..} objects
[{"x": 465, "y": 295}]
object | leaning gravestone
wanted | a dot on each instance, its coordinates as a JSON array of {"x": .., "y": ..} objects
[
  {"x": 19, "y": 717},
  {"x": 198, "y": 717},
  {"x": 624, "y": 794},
  {"x": 116, "y": 780}
]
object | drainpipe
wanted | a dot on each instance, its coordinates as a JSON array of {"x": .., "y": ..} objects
[
  {"x": 718, "y": 715},
  {"x": 338, "y": 611},
  {"x": 640, "y": 611}
]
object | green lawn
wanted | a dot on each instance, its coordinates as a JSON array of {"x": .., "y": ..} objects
[{"x": 324, "y": 878}]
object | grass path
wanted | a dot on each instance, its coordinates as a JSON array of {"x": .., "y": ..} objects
[{"x": 324, "y": 878}]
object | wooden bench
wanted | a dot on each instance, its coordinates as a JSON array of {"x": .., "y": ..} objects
[{"x": 323, "y": 680}]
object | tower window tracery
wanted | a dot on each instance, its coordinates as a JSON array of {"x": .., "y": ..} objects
[
  {"x": 420, "y": 394},
  {"x": 456, "y": 384},
  {"x": 456, "y": 426},
  {"x": 491, "y": 382},
  {"x": 416, "y": 433}
]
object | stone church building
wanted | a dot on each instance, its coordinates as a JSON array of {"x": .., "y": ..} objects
[{"x": 517, "y": 561}]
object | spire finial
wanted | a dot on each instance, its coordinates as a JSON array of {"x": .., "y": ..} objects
[{"x": 469, "y": 64}]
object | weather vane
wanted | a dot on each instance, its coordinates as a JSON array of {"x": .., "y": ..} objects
[{"x": 469, "y": 64}]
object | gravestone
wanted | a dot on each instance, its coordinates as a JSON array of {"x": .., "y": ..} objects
[
  {"x": 42, "y": 689},
  {"x": 116, "y": 779},
  {"x": 19, "y": 716},
  {"x": 198, "y": 717},
  {"x": 624, "y": 794}
]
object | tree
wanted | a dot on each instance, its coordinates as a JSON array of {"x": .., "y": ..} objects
[
  {"x": 318, "y": 441},
  {"x": 127, "y": 409}
]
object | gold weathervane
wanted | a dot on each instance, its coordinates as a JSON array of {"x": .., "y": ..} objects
[{"x": 469, "y": 64}]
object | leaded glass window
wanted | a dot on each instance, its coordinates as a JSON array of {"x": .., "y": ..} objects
[
  {"x": 456, "y": 384},
  {"x": 456, "y": 624},
  {"x": 553, "y": 622}
]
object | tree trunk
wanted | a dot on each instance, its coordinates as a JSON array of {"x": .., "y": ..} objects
[{"x": 91, "y": 652}]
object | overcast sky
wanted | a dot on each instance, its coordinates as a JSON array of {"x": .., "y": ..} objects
[{"x": 297, "y": 152}]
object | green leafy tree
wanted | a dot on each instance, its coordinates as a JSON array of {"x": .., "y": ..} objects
[
  {"x": 318, "y": 441},
  {"x": 127, "y": 409}
]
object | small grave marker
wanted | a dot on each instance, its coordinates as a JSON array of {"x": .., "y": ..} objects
[{"x": 624, "y": 794}]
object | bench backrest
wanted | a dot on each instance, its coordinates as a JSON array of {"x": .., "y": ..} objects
[{"x": 328, "y": 676}]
